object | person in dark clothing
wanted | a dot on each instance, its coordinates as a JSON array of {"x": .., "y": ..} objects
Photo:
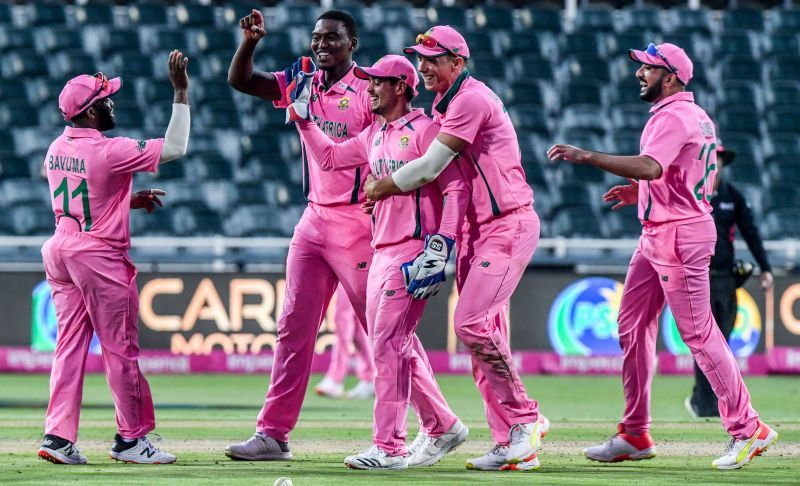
[{"x": 731, "y": 210}]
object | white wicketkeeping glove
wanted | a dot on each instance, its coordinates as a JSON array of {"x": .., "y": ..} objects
[{"x": 424, "y": 275}]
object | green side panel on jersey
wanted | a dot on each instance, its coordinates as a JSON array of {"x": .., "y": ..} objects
[
  {"x": 649, "y": 203},
  {"x": 495, "y": 207},
  {"x": 417, "y": 216},
  {"x": 356, "y": 187},
  {"x": 306, "y": 182}
]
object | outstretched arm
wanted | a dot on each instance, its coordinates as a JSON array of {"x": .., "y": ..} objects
[
  {"x": 331, "y": 155},
  {"x": 241, "y": 75},
  {"x": 630, "y": 166}
]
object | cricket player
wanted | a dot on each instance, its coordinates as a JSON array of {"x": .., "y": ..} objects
[
  {"x": 400, "y": 223},
  {"x": 331, "y": 243},
  {"x": 351, "y": 341},
  {"x": 495, "y": 244},
  {"x": 675, "y": 168},
  {"x": 87, "y": 265}
]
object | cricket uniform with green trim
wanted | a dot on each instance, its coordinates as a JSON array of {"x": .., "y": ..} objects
[
  {"x": 498, "y": 240},
  {"x": 671, "y": 264},
  {"x": 330, "y": 245},
  {"x": 400, "y": 224},
  {"x": 92, "y": 278}
]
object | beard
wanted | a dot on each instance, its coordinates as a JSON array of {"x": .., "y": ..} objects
[
  {"x": 653, "y": 91},
  {"x": 105, "y": 120}
]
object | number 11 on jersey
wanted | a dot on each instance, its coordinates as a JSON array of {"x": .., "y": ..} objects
[{"x": 83, "y": 191}]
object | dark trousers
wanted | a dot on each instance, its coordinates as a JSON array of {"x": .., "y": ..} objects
[{"x": 724, "y": 308}]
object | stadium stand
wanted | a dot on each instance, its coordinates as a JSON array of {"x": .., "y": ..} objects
[{"x": 562, "y": 78}]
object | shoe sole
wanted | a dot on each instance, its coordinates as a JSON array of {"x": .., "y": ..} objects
[
  {"x": 283, "y": 457},
  {"x": 759, "y": 451},
  {"x": 57, "y": 458},
  {"x": 388, "y": 468},
  {"x": 127, "y": 461},
  {"x": 530, "y": 463},
  {"x": 456, "y": 443},
  {"x": 624, "y": 457}
]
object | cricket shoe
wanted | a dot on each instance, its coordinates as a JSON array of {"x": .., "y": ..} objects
[
  {"x": 427, "y": 450},
  {"x": 623, "y": 447},
  {"x": 375, "y": 458},
  {"x": 363, "y": 390},
  {"x": 741, "y": 451},
  {"x": 491, "y": 461},
  {"x": 329, "y": 388},
  {"x": 60, "y": 451},
  {"x": 259, "y": 447},
  {"x": 139, "y": 451},
  {"x": 524, "y": 442}
]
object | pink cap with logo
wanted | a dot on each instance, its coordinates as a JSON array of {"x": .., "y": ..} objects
[
  {"x": 438, "y": 41},
  {"x": 391, "y": 66},
  {"x": 81, "y": 91},
  {"x": 668, "y": 56}
]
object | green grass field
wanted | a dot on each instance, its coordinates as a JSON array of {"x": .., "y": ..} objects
[{"x": 199, "y": 415}]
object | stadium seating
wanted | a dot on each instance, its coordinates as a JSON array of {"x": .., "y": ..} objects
[{"x": 562, "y": 79}]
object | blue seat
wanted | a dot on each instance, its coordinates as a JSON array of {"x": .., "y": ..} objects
[
  {"x": 46, "y": 14},
  {"x": 524, "y": 43},
  {"x": 531, "y": 119},
  {"x": 585, "y": 117},
  {"x": 525, "y": 92},
  {"x": 394, "y": 15},
  {"x": 196, "y": 221},
  {"x": 629, "y": 116},
  {"x": 623, "y": 222},
  {"x": 594, "y": 19},
  {"x": 744, "y": 171},
  {"x": 582, "y": 93},
  {"x": 24, "y": 64},
  {"x": 580, "y": 173},
  {"x": 784, "y": 69},
  {"x": 741, "y": 44},
  {"x": 494, "y": 18},
  {"x": 164, "y": 39},
  {"x": 33, "y": 220},
  {"x": 782, "y": 224},
  {"x": 94, "y": 14},
  {"x": 781, "y": 195},
  {"x": 785, "y": 20},
  {"x": 296, "y": 15},
  {"x": 782, "y": 93},
  {"x": 784, "y": 120},
  {"x": 785, "y": 144},
  {"x": 741, "y": 69},
  {"x": 743, "y": 19},
  {"x": 208, "y": 40},
  {"x": 543, "y": 19},
  {"x": 68, "y": 65},
  {"x": 584, "y": 43},
  {"x": 52, "y": 39},
  {"x": 531, "y": 66},
  {"x": 194, "y": 15},
  {"x": 17, "y": 113},
  {"x": 119, "y": 40},
  {"x": 784, "y": 45},
  {"x": 131, "y": 65},
  {"x": 11, "y": 89},
  {"x": 738, "y": 121},
  {"x": 248, "y": 221},
  {"x": 147, "y": 13},
  {"x": 641, "y": 19},
  {"x": 12, "y": 167},
  {"x": 587, "y": 67},
  {"x": 625, "y": 143},
  {"x": 173, "y": 170},
  {"x": 12, "y": 39},
  {"x": 692, "y": 20},
  {"x": 576, "y": 222},
  {"x": 157, "y": 223},
  {"x": 453, "y": 16}
]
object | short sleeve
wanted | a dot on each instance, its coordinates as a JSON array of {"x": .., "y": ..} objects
[
  {"x": 280, "y": 77},
  {"x": 666, "y": 136},
  {"x": 465, "y": 117},
  {"x": 127, "y": 155}
]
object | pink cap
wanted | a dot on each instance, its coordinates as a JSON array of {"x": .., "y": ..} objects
[
  {"x": 667, "y": 56},
  {"x": 439, "y": 40},
  {"x": 81, "y": 91},
  {"x": 391, "y": 66}
]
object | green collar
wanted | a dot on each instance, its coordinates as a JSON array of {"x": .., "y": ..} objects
[{"x": 443, "y": 103}]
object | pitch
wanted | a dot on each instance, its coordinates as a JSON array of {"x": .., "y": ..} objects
[{"x": 200, "y": 415}]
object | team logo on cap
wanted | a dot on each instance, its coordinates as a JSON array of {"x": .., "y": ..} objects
[
  {"x": 404, "y": 141},
  {"x": 140, "y": 145},
  {"x": 344, "y": 104}
]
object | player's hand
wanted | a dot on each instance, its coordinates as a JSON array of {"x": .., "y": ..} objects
[
  {"x": 567, "y": 152},
  {"x": 147, "y": 199},
  {"x": 178, "y": 74},
  {"x": 627, "y": 195},
  {"x": 424, "y": 275},
  {"x": 253, "y": 26},
  {"x": 368, "y": 207},
  {"x": 767, "y": 281}
]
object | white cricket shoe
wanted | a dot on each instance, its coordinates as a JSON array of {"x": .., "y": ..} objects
[
  {"x": 363, "y": 390},
  {"x": 375, "y": 458},
  {"x": 329, "y": 388},
  {"x": 139, "y": 451},
  {"x": 491, "y": 461},
  {"x": 427, "y": 450},
  {"x": 259, "y": 447},
  {"x": 741, "y": 451},
  {"x": 623, "y": 447},
  {"x": 60, "y": 451},
  {"x": 524, "y": 442}
]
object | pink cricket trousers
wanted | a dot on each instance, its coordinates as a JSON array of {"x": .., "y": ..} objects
[
  {"x": 404, "y": 374},
  {"x": 672, "y": 263},
  {"x": 94, "y": 289},
  {"x": 351, "y": 340},
  {"x": 491, "y": 260}
]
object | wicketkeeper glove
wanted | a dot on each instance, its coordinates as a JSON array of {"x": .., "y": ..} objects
[
  {"x": 298, "y": 88},
  {"x": 424, "y": 276}
]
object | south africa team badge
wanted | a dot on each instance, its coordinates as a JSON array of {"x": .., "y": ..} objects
[{"x": 404, "y": 141}]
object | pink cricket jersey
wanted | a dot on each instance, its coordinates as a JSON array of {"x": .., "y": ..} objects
[
  {"x": 342, "y": 112},
  {"x": 471, "y": 111},
  {"x": 681, "y": 138},
  {"x": 387, "y": 147},
  {"x": 90, "y": 178}
]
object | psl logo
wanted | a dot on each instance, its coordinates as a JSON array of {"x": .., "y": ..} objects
[
  {"x": 44, "y": 325},
  {"x": 743, "y": 340},
  {"x": 583, "y": 318}
]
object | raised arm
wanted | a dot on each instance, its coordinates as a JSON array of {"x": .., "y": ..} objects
[
  {"x": 241, "y": 75},
  {"x": 640, "y": 167},
  {"x": 176, "y": 139}
]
